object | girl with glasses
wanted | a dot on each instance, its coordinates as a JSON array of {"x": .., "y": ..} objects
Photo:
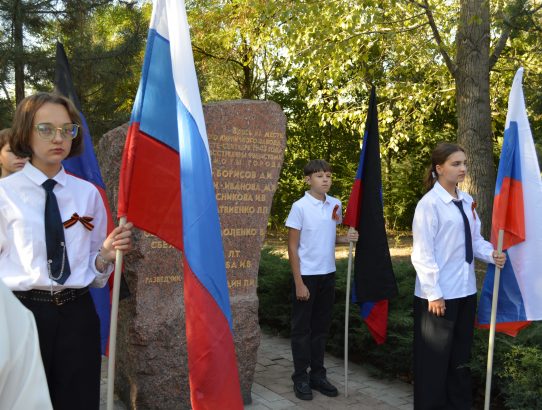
[{"x": 54, "y": 246}]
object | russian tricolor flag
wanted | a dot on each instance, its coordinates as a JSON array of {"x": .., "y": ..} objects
[
  {"x": 518, "y": 211},
  {"x": 374, "y": 280},
  {"x": 85, "y": 166},
  {"x": 166, "y": 188}
]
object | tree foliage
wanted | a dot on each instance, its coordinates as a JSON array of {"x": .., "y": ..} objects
[
  {"x": 318, "y": 60},
  {"x": 104, "y": 41},
  {"x": 412, "y": 52},
  {"x": 233, "y": 47},
  {"x": 106, "y": 54}
]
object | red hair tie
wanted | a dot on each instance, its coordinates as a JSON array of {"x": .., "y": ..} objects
[
  {"x": 85, "y": 220},
  {"x": 473, "y": 207}
]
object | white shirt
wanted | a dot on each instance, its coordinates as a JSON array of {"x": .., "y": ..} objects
[
  {"x": 23, "y": 254},
  {"x": 438, "y": 253},
  {"x": 314, "y": 218},
  {"x": 22, "y": 378}
]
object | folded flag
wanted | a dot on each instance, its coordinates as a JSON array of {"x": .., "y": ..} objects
[
  {"x": 517, "y": 210},
  {"x": 374, "y": 279},
  {"x": 166, "y": 188},
  {"x": 85, "y": 166}
]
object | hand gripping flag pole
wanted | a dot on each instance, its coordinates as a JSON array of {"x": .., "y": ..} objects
[
  {"x": 491, "y": 346},
  {"x": 511, "y": 296}
]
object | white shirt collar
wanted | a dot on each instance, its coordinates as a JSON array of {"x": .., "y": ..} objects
[
  {"x": 445, "y": 195},
  {"x": 38, "y": 177},
  {"x": 316, "y": 201}
]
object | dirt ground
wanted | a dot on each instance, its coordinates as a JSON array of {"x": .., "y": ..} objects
[{"x": 400, "y": 244}]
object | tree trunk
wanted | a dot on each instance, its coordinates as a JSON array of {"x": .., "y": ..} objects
[
  {"x": 246, "y": 88},
  {"x": 473, "y": 108},
  {"x": 18, "y": 48}
]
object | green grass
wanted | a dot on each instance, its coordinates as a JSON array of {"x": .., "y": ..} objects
[{"x": 517, "y": 381}]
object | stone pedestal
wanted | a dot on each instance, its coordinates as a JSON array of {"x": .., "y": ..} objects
[
  {"x": 152, "y": 365},
  {"x": 247, "y": 141},
  {"x": 247, "y": 147}
]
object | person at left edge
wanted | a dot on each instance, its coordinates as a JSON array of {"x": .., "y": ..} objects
[
  {"x": 46, "y": 129},
  {"x": 9, "y": 162},
  {"x": 22, "y": 379}
]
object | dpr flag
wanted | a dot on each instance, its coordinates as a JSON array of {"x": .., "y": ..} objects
[
  {"x": 166, "y": 188},
  {"x": 85, "y": 166},
  {"x": 517, "y": 210},
  {"x": 374, "y": 279}
]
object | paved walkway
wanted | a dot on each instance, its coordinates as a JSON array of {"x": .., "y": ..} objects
[
  {"x": 273, "y": 389},
  {"x": 117, "y": 404}
]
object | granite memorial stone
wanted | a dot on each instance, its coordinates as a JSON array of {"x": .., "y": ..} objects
[{"x": 247, "y": 141}]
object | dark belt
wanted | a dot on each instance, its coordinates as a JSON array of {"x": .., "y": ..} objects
[{"x": 58, "y": 298}]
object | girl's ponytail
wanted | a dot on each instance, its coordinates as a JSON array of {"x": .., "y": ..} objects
[{"x": 430, "y": 178}]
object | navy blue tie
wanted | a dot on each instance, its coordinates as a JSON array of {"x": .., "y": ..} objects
[
  {"x": 468, "y": 237},
  {"x": 58, "y": 265}
]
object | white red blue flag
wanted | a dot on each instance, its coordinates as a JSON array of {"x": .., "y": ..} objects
[
  {"x": 517, "y": 210},
  {"x": 166, "y": 188}
]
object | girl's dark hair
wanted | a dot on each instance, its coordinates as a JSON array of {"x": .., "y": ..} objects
[
  {"x": 316, "y": 165},
  {"x": 438, "y": 157},
  {"x": 4, "y": 137},
  {"x": 23, "y": 123}
]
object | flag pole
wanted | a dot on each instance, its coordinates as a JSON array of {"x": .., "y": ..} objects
[
  {"x": 491, "y": 345},
  {"x": 346, "y": 317},
  {"x": 113, "y": 326}
]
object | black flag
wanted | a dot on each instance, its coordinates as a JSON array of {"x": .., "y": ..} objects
[{"x": 374, "y": 280}]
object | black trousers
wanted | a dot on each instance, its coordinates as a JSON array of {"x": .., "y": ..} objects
[
  {"x": 311, "y": 320},
  {"x": 69, "y": 338},
  {"x": 442, "y": 348}
]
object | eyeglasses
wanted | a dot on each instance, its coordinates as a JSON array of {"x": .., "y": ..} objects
[{"x": 47, "y": 131}]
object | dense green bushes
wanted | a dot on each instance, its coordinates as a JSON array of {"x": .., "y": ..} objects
[{"x": 517, "y": 365}]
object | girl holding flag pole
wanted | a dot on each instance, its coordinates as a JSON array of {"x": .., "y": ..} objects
[
  {"x": 53, "y": 247},
  {"x": 446, "y": 233}
]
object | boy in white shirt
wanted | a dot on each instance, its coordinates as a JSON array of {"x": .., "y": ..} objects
[{"x": 312, "y": 224}]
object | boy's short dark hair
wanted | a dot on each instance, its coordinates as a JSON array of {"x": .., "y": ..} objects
[
  {"x": 4, "y": 137},
  {"x": 23, "y": 123},
  {"x": 316, "y": 165}
]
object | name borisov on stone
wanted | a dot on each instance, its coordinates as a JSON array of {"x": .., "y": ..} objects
[{"x": 234, "y": 173}]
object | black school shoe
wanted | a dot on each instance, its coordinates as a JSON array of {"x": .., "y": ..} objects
[
  {"x": 325, "y": 387},
  {"x": 302, "y": 390}
]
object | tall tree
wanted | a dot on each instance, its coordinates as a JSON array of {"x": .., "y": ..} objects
[
  {"x": 404, "y": 47},
  {"x": 232, "y": 44},
  {"x": 471, "y": 71},
  {"x": 19, "y": 19},
  {"x": 104, "y": 40}
]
